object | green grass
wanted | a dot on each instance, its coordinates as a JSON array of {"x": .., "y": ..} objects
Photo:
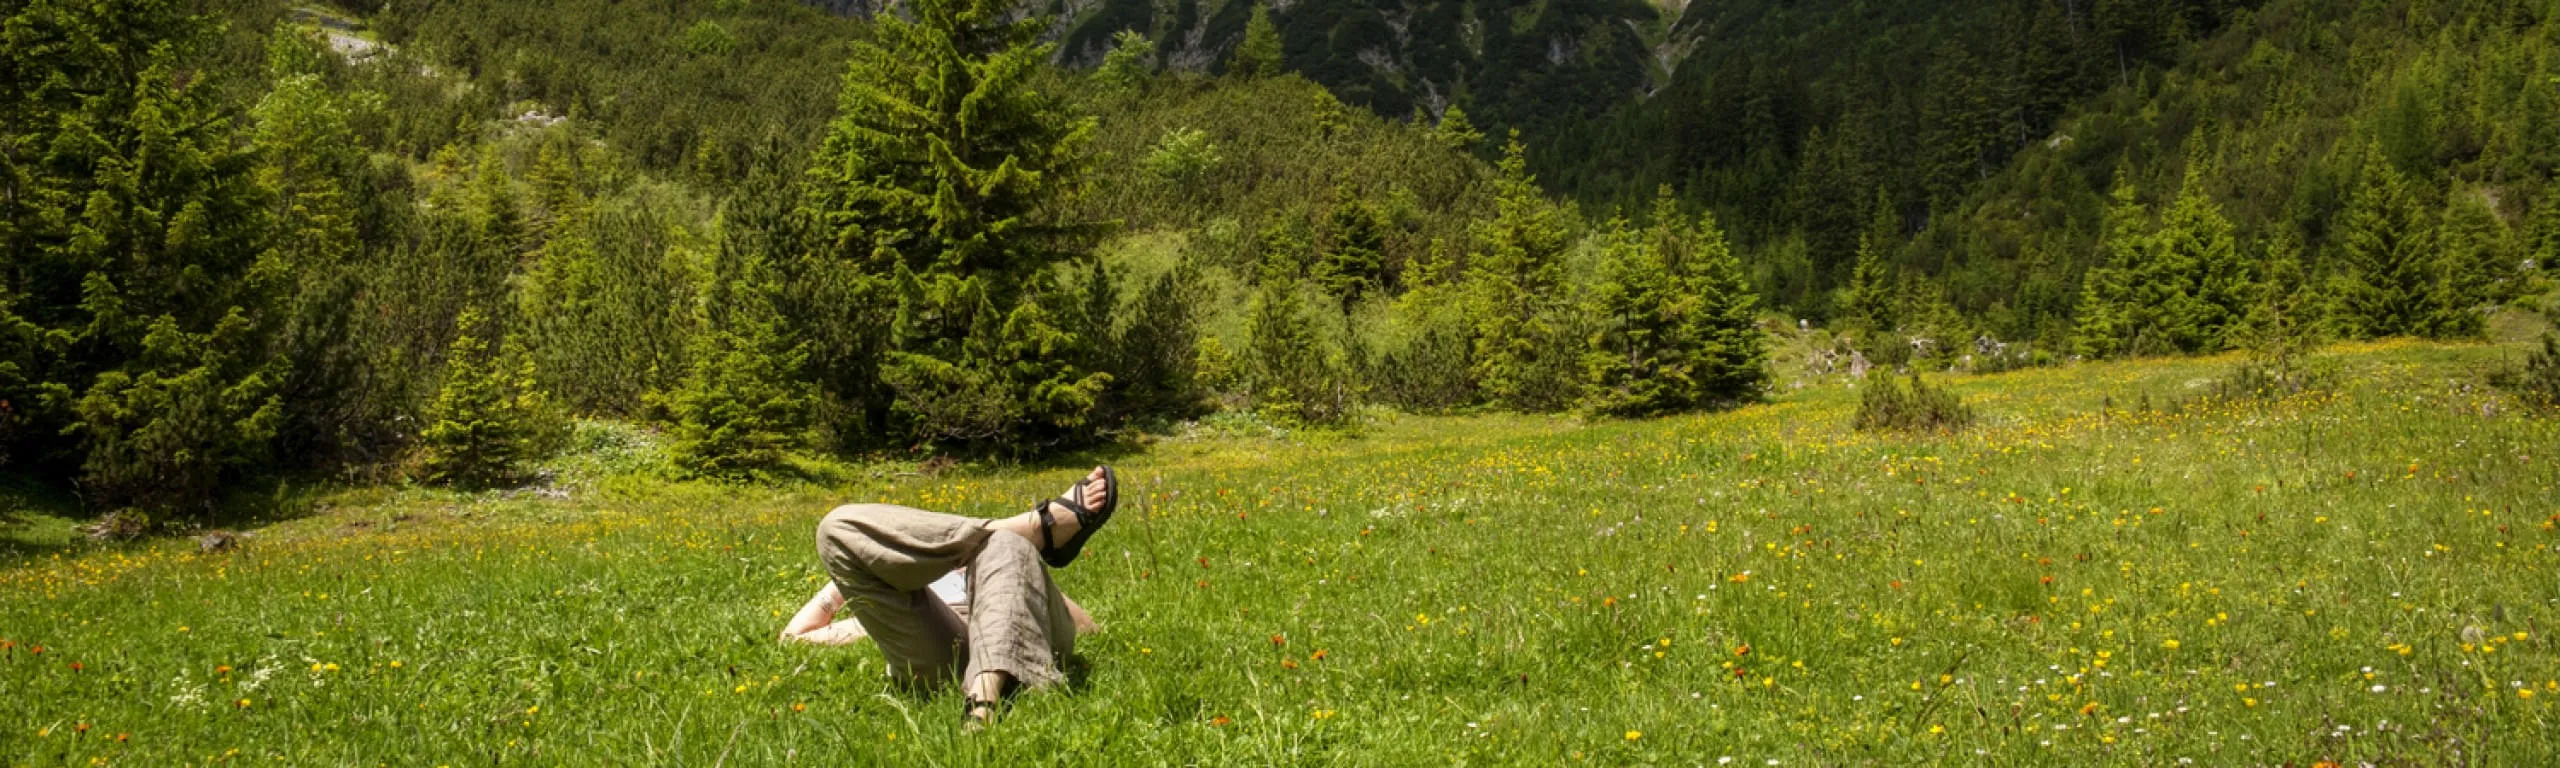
[{"x": 2362, "y": 575}]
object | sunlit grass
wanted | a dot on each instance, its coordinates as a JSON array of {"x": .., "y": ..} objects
[{"x": 2368, "y": 574}]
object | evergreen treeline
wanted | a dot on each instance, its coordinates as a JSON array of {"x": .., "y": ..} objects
[
  {"x": 2040, "y": 179},
  {"x": 1942, "y": 178},
  {"x": 237, "y": 254}
]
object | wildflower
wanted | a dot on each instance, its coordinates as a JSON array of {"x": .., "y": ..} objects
[
  {"x": 1634, "y": 735},
  {"x": 2171, "y": 644},
  {"x": 1323, "y": 714},
  {"x": 799, "y": 706},
  {"x": 1742, "y": 650},
  {"x": 1317, "y": 656},
  {"x": 1219, "y": 721},
  {"x": 1279, "y": 640}
]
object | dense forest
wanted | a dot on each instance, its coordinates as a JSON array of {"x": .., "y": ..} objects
[{"x": 425, "y": 241}]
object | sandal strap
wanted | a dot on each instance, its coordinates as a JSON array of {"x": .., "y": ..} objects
[{"x": 1049, "y": 539}]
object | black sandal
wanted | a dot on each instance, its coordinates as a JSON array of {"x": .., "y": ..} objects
[
  {"x": 969, "y": 711},
  {"x": 1087, "y": 520}
]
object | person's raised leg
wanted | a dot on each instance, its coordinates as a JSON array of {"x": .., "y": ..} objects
[
  {"x": 1063, "y": 524},
  {"x": 882, "y": 557}
]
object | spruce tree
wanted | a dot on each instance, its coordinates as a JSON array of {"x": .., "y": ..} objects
[
  {"x": 1292, "y": 376},
  {"x": 1516, "y": 274},
  {"x": 478, "y": 426},
  {"x": 1159, "y": 374},
  {"x": 1125, "y": 65},
  {"x": 1868, "y": 302},
  {"x": 1259, "y": 54},
  {"x": 943, "y": 193},
  {"x": 1638, "y": 362},
  {"x": 1456, "y": 132},
  {"x": 2388, "y": 265},
  {"x": 1732, "y": 353},
  {"x": 137, "y": 280},
  {"x": 2097, "y": 330},
  {"x": 2473, "y": 267},
  {"x": 2196, "y": 239},
  {"x": 2542, "y": 231},
  {"x": 1354, "y": 260},
  {"x": 2158, "y": 309},
  {"x": 2113, "y": 314},
  {"x": 743, "y": 406},
  {"x": 2284, "y": 315}
]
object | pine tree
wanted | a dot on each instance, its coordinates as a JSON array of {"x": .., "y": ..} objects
[
  {"x": 2542, "y": 232},
  {"x": 1292, "y": 376},
  {"x": 2097, "y": 331},
  {"x": 1456, "y": 132},
  {"x": 2472, "y": 269},
  {"x": 1733, "y": 355},
  {"x": 943, "y": 190},
  {"x": 2197, "y": 240},
  {"x": 2115, "y": 312},
  {"x": 1868, "y": 302},
  {"x": 1259, "y": 54},
  {"x": 743, "y": 406},
  {"x": 477, "y": 427},
  {"x": 1354, "y": 260},
  {"x": 2284, "y": 312},
  {"x": 1158, "y": 374},
  {"x": 1517, "y": 273},
  {"x": 1639, "y": 361},
  {"x": 1125, "y": 65},
  {"x": 2386, "y": 284},
  {"x": 138, "y": 283}
]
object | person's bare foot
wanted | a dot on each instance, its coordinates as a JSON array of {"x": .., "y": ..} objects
[
  {"x": 984, "y": 693},
  {"x": 1063, "y": 522}
]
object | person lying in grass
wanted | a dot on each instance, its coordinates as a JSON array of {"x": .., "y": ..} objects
[{"x": 940, "y": 593}]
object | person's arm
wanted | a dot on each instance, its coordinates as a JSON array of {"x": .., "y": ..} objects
[{"x": 816, "y": 622}]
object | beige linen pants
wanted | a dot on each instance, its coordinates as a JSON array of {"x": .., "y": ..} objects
[{"x": 883, "y": 556}]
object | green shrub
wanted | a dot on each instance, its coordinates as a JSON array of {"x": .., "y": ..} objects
[
  {"x": 1183, "y": 157},
  {"x": 2538, "y": 383},
  {"x": 2270, "y": 378},
  {"x": 1888, "y": 406}
]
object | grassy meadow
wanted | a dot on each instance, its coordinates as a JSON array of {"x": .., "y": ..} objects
[{"x": 2110, "y": 570}]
